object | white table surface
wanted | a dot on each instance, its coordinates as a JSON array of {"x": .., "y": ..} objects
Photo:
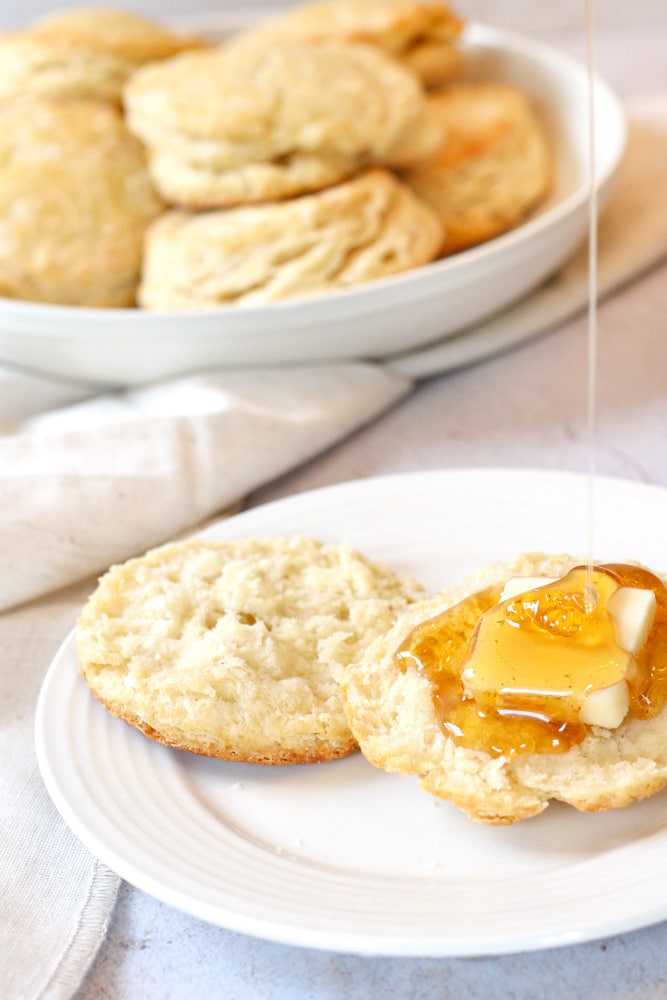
[{"x": 526, "y": 408}]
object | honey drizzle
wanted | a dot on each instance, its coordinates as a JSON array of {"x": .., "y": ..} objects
[
  {"x": 592, "y": 338},
  {"x": 438, "y": 649}
]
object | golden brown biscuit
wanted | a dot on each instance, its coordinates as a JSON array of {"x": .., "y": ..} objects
[
  {"x": 367, "y": 228},
  {"x": 260, "y": 123},
  {"x": 234, "y": 650},
  {"x": 75, "y": 200},
  {"x": 392, "y": 715},
  {"x": 82, "y": 53},
  {"x": 418, "y": 142},
  {"x": 493, "y": 167},
  {"x": 419, "y": 33},
  {"x": 435, "y": 63}
]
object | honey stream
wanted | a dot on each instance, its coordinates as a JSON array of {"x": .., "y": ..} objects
[{"x": 592, "y": 339}]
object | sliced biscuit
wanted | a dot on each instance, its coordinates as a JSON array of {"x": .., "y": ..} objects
[
  {"x": 421, "y": 34},
  {"x": 235, "y": 650},
  {"x": 82, "y": 53},
  {"x": 493, "y": 167},
  {"x": 391, "y": 713},
  {"x": 260, "y": 123},
  {"x": 368, "y": 228},
  {"x": 75, "y": 201}
]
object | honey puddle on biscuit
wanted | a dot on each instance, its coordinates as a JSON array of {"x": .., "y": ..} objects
[{"x": 538, "y": 656}]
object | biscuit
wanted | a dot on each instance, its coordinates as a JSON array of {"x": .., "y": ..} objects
[
  {"x": 81, "y": 53},
  {"x": 418, "y": 33},
  {"x": 260, "y": 123},
  {"x": 234, "y": 650},
  {"x": 75, "y": 200},
  {"x": 391, "y": 714},
  {"x": 494, "y": 165},
  {"x": 370, "y": 227},
  {"x": 435, "y": 63},
  {"x": 418, "y": 142}
]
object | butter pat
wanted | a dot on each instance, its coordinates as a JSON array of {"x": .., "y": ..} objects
[
  {"x": 633, "y": 611},
  {"x": 520, "y": 584},
  {"x": 606, "y": 707}
]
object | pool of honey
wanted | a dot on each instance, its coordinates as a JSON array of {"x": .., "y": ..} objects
[{"x": 439, "y": 648}]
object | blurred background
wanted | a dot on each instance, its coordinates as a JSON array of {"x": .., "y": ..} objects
[{"x": 535, "y": 15}]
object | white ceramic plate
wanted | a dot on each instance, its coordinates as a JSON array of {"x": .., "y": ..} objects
[
  {"x": 342, "y": 856},
  {"x": 125, "y": 347}
]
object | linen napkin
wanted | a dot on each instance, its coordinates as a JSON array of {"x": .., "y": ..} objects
[
  {"x": 105, "y": 478},
  {"x": 89, "y": 479}
]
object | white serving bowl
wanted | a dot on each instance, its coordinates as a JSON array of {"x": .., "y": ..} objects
[{"x": 128, "y": 346}]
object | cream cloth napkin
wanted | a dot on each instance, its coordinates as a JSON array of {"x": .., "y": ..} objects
[
  {"x": 93, "y": 483},
  {"x": 86, "y": 480}
]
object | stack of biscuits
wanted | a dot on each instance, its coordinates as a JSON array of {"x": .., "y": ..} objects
[
  {"x": 76, "y": 197},
  {"x": 333, "y": 145}
]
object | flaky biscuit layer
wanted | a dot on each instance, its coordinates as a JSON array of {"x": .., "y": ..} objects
[{"x": 367, "y": 228}]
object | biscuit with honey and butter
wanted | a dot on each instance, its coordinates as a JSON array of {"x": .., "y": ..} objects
[
  {"x": 538, "y": 679},
  {"x": 235, "y": 649}
]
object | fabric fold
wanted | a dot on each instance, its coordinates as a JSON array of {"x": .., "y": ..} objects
[{"x": 107, "y": 478}]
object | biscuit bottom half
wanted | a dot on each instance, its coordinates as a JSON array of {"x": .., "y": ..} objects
[
  {"x": 392, "y": 714},
  {"x": 235, "y": 649}
]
